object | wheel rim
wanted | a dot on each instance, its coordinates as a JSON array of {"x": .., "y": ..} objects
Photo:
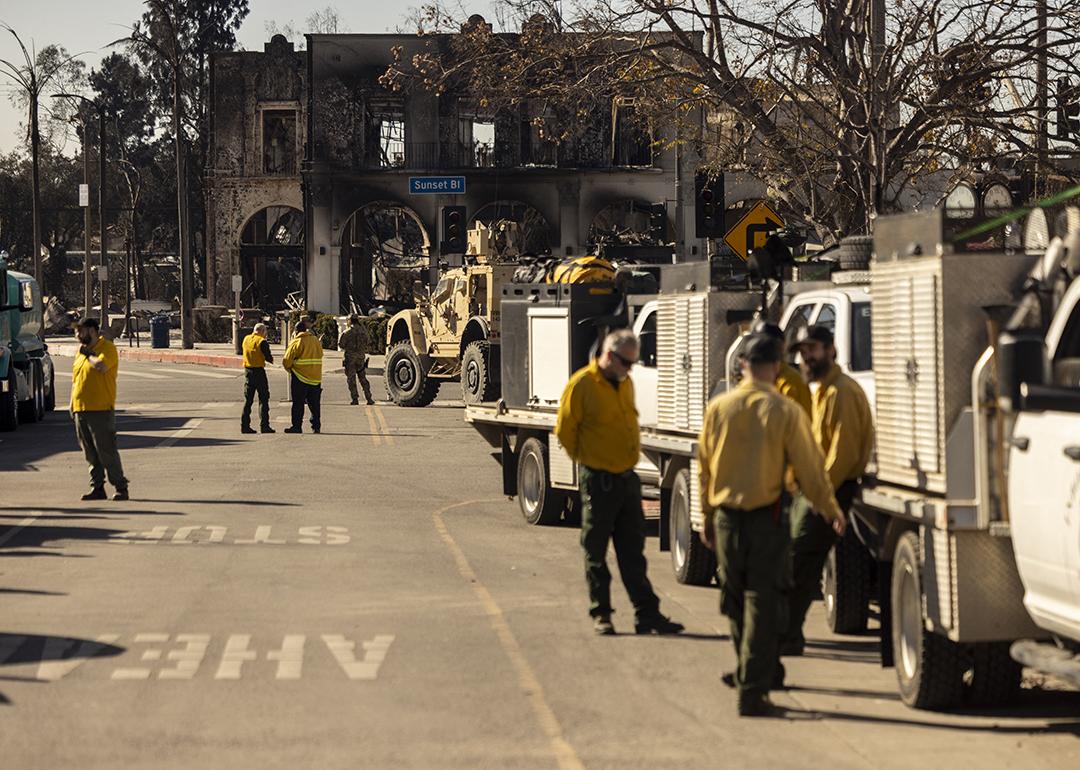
[
  {"x": 472, "y": 377},
  {"x": 405, "y": 374},
  {"x": 910, "y": 623},
  {"x": 530, "y": 483},
  {"x": 681, "y": 522}
]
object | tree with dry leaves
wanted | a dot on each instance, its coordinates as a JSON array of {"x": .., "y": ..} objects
[{"x": 844, "y": 110}]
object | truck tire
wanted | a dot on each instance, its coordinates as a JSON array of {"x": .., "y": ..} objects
[
  {"x": 540, "y": 504},
  {"x": 479, "y": 382},
  {"x": 855, "y": 252},
  {"x": 9, "y": 405},
  {"x": 846, "y": 584},
  {"x": 994, "y": 679},
  {"x": 33, "y": 408},
  {"x": 407, "y": 380},
  {"x": 692, "y": 562},
  {"x": 50, "y": 397},
  {"x": 929, "y": 667}
]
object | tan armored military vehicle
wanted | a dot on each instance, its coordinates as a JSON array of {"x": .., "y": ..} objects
[{"x": 453, "y": 332}]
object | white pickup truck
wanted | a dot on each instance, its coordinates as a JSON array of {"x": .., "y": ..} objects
[{"x": 970, "y": 508}]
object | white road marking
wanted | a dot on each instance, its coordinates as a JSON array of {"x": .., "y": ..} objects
[
  {"x": 197, "y": 373},
  {"x": 128, "y": 674},
  {"x": 189, "y": 426},
  {"x": 53, "y": 668},
  {"x": 290, "y": 657},
  {"x": 150, "y": 536},
  {"x": 142, "y": 375},
  {"x": 62, "y": 373},
  {"x": 235, "y": 655},
  {"x": 151, "y": 638},
  {"x": 188, "y": 659},
  {"x": 262, "y": 535},
  {"x": 344, "y": 652}
]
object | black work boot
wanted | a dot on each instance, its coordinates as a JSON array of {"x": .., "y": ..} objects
[
  {"x": 246, "y": 429},
  {"x": 267, "y": 429},
  {"x": 777, "y": 681},
  {"x": 121, "y": 494},
  {"x": 658, "y": 624},
  {"x": 97, "y": 493},
  {"x": 294, "y": 430},
  {"x": 756, "y": 705},
  {"x": 355, "y": 402},
  {"x": 602, "y": 626}
]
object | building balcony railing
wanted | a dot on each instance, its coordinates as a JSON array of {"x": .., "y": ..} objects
[{"x": 459, "y": 156}]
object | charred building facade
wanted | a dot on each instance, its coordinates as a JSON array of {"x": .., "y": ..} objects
[{"x": 368, "y": 197}]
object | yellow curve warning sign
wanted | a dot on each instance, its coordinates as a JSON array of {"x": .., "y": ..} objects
[{"x": 750, "y": 232}]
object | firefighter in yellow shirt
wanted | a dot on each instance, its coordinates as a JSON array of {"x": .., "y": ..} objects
[
  {"x": 844, "y": 429},
  {"x": 256, "y": 356},
  {"x": 750, "y": 435},
  {"x": 93, "y": 408},
  {"x": 303, "y": 362},
  {"x": 597, "y": 425}
]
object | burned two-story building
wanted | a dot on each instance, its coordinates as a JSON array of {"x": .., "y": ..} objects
[{"x": 382, "y": 174}]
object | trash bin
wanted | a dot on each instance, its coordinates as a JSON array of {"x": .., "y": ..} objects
[{"x": 159, "y": 331}]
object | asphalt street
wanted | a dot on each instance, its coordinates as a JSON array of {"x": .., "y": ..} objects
[{"x": 368, "y": 598}]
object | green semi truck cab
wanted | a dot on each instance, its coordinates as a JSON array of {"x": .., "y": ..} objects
[{"x": 27, "y": 375}]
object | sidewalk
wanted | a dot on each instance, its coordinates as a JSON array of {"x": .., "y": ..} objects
[{"x": 219, "y": 354}]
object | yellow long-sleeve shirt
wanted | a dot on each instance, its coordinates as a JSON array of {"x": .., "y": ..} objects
[
  {"x": 750, "y": 434},
  {"x": 91, "y": 390},
  {"x": 843, "y": 426},
  {"x": 791, "y": 384},
  {"x": 597, "y": 422},
  {"x": 304, "y": 358}
]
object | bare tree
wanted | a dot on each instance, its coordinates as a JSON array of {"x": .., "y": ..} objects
[
  {"x": 841, "y": 108},
  {"x": 326, "y": 21},
  {"x": 31, "y": 77}
]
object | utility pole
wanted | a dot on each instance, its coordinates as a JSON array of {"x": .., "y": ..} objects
[
  {"x": 88, "y": 285},
  {"x": 187, "y": 287},
  {"x": 102, "y": 224},
  {"x": 35, "y": 152},
  {"x": 1042, "y": 87}
]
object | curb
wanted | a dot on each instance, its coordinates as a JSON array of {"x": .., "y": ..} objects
[{"x": 167, "y": 356}]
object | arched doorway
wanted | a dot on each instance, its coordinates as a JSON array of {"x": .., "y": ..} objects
[
  {"x": 272, "y": 257},
  {"x": 535, "y": 230},
  {"x": 384, "y": 249},
  {"x": 630, "y": 222}
]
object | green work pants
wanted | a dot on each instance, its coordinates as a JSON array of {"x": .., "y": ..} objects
[
  {"x": 611, "y": 512},
  {"x": 356, "y": 368},
  {"x": 255, "y": 383},
  {"x": 811, "y": 538},
  {"x": 97, "y": 436},
  {"x": 751, "y": 565}
]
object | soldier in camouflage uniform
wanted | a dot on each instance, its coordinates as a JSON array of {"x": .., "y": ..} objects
[{"x": 353, "y": 344}]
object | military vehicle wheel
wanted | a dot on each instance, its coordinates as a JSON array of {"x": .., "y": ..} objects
[
  {"x": 407, "y": 380},
  {"x": 50, "y": 399},
  {"x": 478, "y": 380},
  {"x": 9, "y": 405},
  {"x": 929, "y": 667},
  {"x": 540, "y": 504},
  {"x": 856, "y": 251},
  {"x": 693, "y": 563},
  {"x": 846, "y": 585},
  {"x": 28, "y": 410}
]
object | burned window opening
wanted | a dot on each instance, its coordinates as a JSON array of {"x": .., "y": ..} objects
[
  {"x": 631, "y": 137},
  {"x": 279, "y": 141}
]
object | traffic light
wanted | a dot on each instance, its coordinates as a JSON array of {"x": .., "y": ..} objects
[
  {"x": 1068, "y": 110},
  {"x": 658, "y": 223},
  {"x": 453, "y": 230},
  {"x": 708, "y": 206}
]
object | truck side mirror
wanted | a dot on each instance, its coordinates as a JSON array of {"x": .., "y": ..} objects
[{"x": 1022, "y": 359}]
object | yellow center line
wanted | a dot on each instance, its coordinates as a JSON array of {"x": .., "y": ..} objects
[
  {"x": 385, "y": 427},
  {"x": 527, "y": 680},
  {"x": 375, "y": 438}
]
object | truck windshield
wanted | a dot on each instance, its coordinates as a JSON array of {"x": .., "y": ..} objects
[{"x": 861, "y": 360}]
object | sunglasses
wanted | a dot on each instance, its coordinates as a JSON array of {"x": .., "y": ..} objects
[{"x": 627, "y": 362}]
